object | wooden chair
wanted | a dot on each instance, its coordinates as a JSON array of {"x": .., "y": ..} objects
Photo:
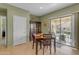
[
  {"x": 47, "y": 41},
  {"x": 33, "y": 38},
  {"x": 34, "y": 41}
]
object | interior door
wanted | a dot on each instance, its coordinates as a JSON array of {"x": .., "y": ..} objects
[
  {"x": 3, "y": 41},
  {"x": 32, "y": 30},
  {"x": 35, "y": 27}
]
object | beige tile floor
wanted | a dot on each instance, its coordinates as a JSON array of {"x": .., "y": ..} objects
[{"x": 26, "y": 49}]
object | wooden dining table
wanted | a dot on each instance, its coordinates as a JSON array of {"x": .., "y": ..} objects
[{"x": 41, "y": 38}]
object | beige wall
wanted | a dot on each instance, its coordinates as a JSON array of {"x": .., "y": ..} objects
[
  {"x": 10, "y": 12},
  {"x": 65, "y": 11},
  {"x": 35, "y": 18}
]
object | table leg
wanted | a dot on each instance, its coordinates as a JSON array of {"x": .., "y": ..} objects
[
  {"x": 40, "y": 44},
  {"x": 50, "y": 48},
  {"x": 36, "y": 47},
  {"x": 55, "y": 45}
]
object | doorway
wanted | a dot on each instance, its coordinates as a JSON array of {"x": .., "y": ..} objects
[
  {"x": 3, "y": 41},
  {"x": 35, "y": 27},
  {"x": 3, "y": 28},
  {"x": 61, "y": 27}
]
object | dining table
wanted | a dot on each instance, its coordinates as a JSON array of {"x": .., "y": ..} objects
[{"x": 39, "y": 38}]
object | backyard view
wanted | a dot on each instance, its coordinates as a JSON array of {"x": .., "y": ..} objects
[{"x": 62, "y": 29}]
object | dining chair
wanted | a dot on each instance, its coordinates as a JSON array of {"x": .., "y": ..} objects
[
  {"x": 34, "y": 41},
  {"x": 33, "y": 38},
  {"x": 47, "y": 41}
]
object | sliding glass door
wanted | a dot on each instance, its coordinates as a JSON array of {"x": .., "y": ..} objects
[
  {"x": 55, "y": 28},
  {"x": 66, "y": 30},
  {"x": 61, "y": 27}
]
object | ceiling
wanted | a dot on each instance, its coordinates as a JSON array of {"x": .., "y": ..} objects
[{"x": 40, "y": 9}]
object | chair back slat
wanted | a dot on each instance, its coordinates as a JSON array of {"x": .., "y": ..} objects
[
  {"x": 47, "y": 40},
  {"x": 48, "y": 36}
]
